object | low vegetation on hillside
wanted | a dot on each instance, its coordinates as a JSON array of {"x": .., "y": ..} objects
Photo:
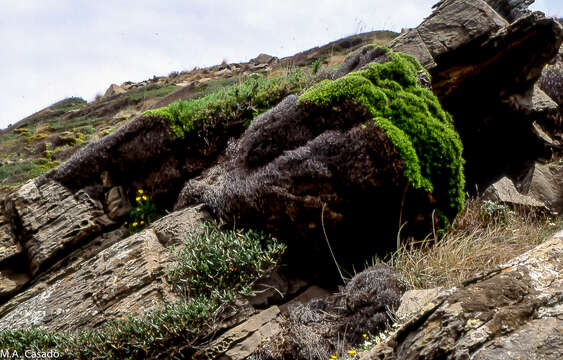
[{"x": 206, "y": 283}]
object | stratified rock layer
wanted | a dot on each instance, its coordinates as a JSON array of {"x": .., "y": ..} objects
[
  {"x": 51, "y": 220},
  {"x": 514, "y": 312},
  {"x": 114, "y": 277},
  {"x": 483, "y": 70}
]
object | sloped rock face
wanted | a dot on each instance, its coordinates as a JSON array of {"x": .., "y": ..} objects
[
  {"x": 49, "y": 220},
  {"x": 483, "y": 70},
  {"x": 512, "y": 312},
  {"x": 113, "y": 277}
]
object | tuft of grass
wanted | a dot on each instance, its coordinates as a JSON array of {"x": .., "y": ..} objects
[
  {"x": 477, "y": 242},
  {"x": 236, "y": 103}
]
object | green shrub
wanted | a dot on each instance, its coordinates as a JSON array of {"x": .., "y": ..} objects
[
  {"x": 412, "y": 118},
  {"x": 213, "y": 267},
  {"x": 240, "y": 102},
  {"x": 223, "y": 263}
]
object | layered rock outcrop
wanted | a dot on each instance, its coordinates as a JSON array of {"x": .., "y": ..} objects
[
  {"x": 483, "y": 71},
  {"x": 110, "y": 277},
  {"x": 513, "y": 312}
]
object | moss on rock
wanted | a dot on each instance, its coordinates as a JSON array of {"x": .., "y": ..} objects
[
  {"x": 412, "y": 118},
  {"x": 240, "y": 102}
]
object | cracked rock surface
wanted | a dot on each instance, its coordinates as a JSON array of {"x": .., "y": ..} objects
[{"x": 515, "y": 312}]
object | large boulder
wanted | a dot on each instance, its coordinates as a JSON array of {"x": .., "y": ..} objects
[
  {"x": 513, "y": 312},
  {"x": 369, "y": 150},
  {"x": 484, "y": 64}
]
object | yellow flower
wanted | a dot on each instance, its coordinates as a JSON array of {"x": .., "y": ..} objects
[
  {"x": 333, "y": 357},
  {"x": 351, "y": 352},
  {"x": 365, "y": 336},
  {"x": 135, "y": 224},
  {"x": 138, "y": 198},
  {"x": 142, "y": 222},
  {"x": 140, "y": 191},
  {"x": 125, "y": 223},
  {"x": 145, "y": 197}
]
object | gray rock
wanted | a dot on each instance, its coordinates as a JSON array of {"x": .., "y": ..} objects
[
  {"x": 114, "y": 90},
  {"x": 240, "y": 342},
  {"x": 410, "y": 42},
  {"x": 413, "y": 301},
  {"x": 52, "y": 220},
  {"x": 546, "y": 184},
  {"x": 117, "y": 203},
  {"x": 110, "y": 277},
  {"x": 511, "y": 9},
  {"x": 126, "y": 278},
  {"x": 456, "y": 23},
  {"x": 513, "y": 312},
  {"x": 175, "y": 227},
  {"x": 8, "y": 245},
  {"x": 263, "y": 59},
  {"x": 504, "y": 191}
]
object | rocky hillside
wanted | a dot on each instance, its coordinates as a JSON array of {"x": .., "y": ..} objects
[
  {"x": 47, "y": 138},
  {"x": 230, "y": 212}
]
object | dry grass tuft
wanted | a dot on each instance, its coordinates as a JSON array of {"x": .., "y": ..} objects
[{"x": 477, "y": 242}]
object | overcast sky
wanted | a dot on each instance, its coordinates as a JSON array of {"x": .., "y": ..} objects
[{"x": 53, "y": 49}]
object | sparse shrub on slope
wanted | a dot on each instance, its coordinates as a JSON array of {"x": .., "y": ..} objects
[
  {"x": 213, "y": 268},
  {"x": 412, "y": 118}
]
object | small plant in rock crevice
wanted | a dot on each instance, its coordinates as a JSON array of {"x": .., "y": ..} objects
[
  {"x": 217, "y": 262},
  {"x": 143, "y": 213}
]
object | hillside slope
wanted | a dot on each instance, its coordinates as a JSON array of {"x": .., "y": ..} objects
[{"x": 43, "y": 140}]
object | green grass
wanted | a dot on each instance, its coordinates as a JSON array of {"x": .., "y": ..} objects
[
  {"x": 26, "y": 170},
  {"x": 239, "y": 102},
  {"x": 148, "y": 92},
  {"x": 68, "y": 104},
  {"x": 413, "y": 119},
  {"x": 213, "y": 268}
]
